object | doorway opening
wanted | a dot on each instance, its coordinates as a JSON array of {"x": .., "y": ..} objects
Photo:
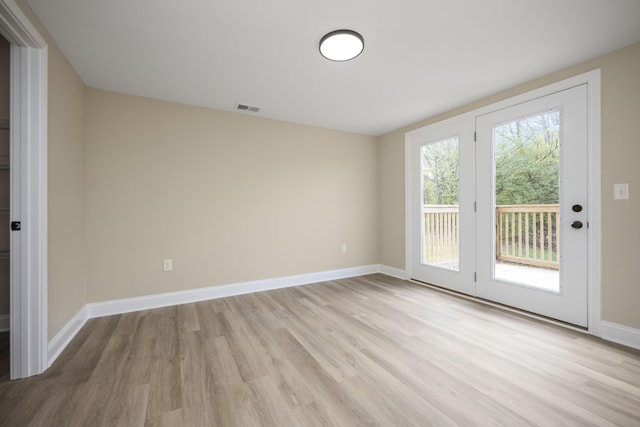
[{"x": 5, "y": 143}]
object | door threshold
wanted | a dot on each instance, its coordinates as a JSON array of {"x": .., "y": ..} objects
[{"x": 525, "y": 313}]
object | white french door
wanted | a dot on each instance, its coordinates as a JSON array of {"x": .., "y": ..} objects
[
  {"x": 532, "y": 245},
  {"x": 498, "y": 205},
  {"x": 441, "y": 190}
]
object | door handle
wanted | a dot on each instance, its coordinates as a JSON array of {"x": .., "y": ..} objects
[{"x": 576, "y": 224}]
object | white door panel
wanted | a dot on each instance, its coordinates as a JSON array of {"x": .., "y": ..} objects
[
  {"x": 565, "y": 296},
  {"x": 442, "y": 240}
]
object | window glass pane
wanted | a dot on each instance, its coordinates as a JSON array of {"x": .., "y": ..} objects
[
  {"x": 527, "y": 196},
  {"x": 441, "y": 213}
]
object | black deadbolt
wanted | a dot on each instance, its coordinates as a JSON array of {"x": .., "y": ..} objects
[
  {"x": 16, "y": 226},
  {"x": 576, "y": 208}
]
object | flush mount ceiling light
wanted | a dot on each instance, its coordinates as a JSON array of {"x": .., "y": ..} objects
[{"x": 341, "y": 45}]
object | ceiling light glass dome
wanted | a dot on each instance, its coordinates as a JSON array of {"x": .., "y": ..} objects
[{"x": 341, "y": 45}]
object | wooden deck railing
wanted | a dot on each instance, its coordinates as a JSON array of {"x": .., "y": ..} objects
[
  {"x": 528, "y": 234},
  {"x": 525, "y": 234},
  {"x": 442, "y": 234}
]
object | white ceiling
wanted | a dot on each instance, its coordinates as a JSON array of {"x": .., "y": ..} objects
[{"x": 421, "y": 57}]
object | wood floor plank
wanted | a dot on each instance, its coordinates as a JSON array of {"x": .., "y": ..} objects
[
  {"x": 342, "y": 411},
  {"x": 497, "y": 375},
  {"x": 22, "y": 403},
  {"x": 127, "y": 408},
  {"x": 188, "y": 318},
  {"x": 128, "y": 323},
  {"x": 83, "y": 360},
  {"x": 168, "y": 419},
  {"x": 196, "y": 377},
  {"x": 314, "y": 414},
  {"x": 60, "y": 402},
  {"x": 246, "y": 356},
  {"x": 222, "y": 363},
  {"x": 208, "y": 320},
  {"x": 269, "y": 403},
  {"x": 165, "y": 388},
  {"x": 370, "y": 350}
]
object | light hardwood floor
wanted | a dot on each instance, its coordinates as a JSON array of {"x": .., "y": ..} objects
[{"x": 365, "y": 351}]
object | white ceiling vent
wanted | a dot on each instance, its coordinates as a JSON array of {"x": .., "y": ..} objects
[{"x": 245, "y": 107}]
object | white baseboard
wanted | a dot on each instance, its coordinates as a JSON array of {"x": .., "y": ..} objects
[
  {"x": 66, "y": 334},
  {"x": 5, "y": 322},
  {"x": 620, "y": 334},
  {"x": 393, "y": 272},
  {"x": 609, "y": 331},
  {"x": 129, "y": 305}
]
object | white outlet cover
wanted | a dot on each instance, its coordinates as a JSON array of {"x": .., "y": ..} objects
[{"x": 621, "y": 191}]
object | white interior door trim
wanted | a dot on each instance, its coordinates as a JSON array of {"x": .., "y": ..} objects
[
  {"x": 28, "y": 134},
  {"x": 594, "y": 268},
  {"x": 593, "y": 81}
]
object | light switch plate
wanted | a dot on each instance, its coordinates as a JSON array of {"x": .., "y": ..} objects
[{"x": 620, "y": 191}]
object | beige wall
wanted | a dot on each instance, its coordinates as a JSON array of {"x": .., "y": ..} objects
[
  {"x": 227, "y": 196},
  {"x": 620, "y": 153},
  {"x": 67, "y": 265}
]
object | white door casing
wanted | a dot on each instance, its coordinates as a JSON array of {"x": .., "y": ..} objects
[{"x": 28, "y": 122}]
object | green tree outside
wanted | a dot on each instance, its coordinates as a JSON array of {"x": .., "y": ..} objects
[
  {"x": 440, "y": 172},
  {"x": 526, "y": 164},
  {"x": 527, "y": 160}
]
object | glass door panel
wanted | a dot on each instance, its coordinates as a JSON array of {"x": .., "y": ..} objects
[
  {"x": 527, "y": 197},
  {"x": 440, "y": 203}
]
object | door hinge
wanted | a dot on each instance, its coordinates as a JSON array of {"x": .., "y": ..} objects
[
  {"x": 475, "y": 206},
  {"x": 475, "y": 136},
  {"x": 475, "y": 276}
]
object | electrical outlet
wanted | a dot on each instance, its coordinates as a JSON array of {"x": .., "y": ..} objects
[
  {"x": 167, "y": 265},
  {"x": 343, "y": 248}
]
